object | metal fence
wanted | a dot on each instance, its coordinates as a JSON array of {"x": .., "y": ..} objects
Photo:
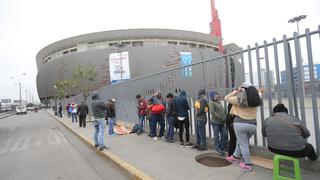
[{"x": 287, "y": 69}]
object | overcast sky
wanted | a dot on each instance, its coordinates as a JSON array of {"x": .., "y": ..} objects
[{"x": 28, "y": 26}]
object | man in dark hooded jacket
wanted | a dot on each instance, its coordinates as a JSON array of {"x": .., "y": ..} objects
[
  {"x": 201, "y": 109},
  {"x": 182, "y": 107}
]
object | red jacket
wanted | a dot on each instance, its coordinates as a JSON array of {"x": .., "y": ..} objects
[{"x": 142, "y": 106}]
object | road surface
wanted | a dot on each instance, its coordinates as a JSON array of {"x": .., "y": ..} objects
[{"x": 35, "y": 146}]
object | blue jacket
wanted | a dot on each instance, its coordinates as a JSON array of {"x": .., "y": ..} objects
[{"x": 182, "y": 105}]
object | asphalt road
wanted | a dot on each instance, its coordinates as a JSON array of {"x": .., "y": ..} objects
[{"x": 35, "y": 146}]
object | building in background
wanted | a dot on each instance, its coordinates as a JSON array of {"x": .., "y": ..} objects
[{"x": 306, "y": 78}]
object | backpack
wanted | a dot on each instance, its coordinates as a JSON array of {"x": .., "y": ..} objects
[{"x": 197, "y": 106}]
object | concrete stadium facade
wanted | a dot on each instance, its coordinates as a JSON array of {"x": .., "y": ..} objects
[{"x": 149, "y": 51}]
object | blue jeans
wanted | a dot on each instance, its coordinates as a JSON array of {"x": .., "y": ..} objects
[
  {"x": 170, "y": 130},
  {"x": 201, "y": 134},
  {"x": 157, "y": 118},
  {"x": 243, "y": 133},
  {"x": 98, "y": 134},
  {"x": 141, "y": 121},
  {"x": 74, "y": 117},
  {"x": 111, "y": 122},
  {"x": 219, "y": 139}
]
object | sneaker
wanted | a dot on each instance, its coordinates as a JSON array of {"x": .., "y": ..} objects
[
  {"x": 103, "y": 147},
  {"x": 247, "y": 167},
  {"x": 96, "y": 145},
  {"x": 113, "y": 135},
  {"x": 182, "y": 144},
  {"x": 171, "y": 141},
  {"x": 196, "y": 146},
  {"x": 232, "y": 159},
  {"x": 220, "y": 152},
  {"x": 202, "y": 149},
  {"x": 188, "y": 144},
  {"x": 155, "y": 138}
]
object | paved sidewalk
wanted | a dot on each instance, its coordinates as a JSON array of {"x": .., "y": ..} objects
[{"x": 162, "y": 160}]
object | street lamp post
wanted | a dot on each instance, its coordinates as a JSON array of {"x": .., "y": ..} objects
[
  {"x": 297, "y": 19},
  {"x": 19, "y": 83},
  {"x": 55, "y": 100}
]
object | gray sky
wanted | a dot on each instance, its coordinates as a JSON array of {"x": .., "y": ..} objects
[{"x": 28, "y": 26}]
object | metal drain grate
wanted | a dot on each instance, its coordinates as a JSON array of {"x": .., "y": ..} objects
[{"x": 212, "y": 160}]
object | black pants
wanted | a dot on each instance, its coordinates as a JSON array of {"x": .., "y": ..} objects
[
  {"x": 232, "y": 139},
  {"x": 82, "y": 121},
  {"x": 60, "y": 113},
  {"x": 184, "y": 124},
  {"x": 307, "y": 151}
]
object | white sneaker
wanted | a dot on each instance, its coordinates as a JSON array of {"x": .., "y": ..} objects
[{"x": 155, "y": 138}]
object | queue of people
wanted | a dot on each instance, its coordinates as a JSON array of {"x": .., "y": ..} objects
[{"x": 240, "y": 120}]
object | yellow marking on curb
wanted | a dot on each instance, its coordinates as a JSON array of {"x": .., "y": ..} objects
[{"x": 134, "y": 173}]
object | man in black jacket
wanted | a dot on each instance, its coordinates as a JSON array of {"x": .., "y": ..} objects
[
  {"x": 99, "y": 112},
  {"x": 183, "y": 117},
  {"x": 82, "y": 113},
  {"x": 111, "y": 114}
]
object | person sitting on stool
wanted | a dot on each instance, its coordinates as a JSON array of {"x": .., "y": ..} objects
[{"x": 286, "y": 135}]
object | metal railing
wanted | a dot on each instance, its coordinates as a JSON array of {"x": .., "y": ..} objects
[{"x": 288, "y": 75}]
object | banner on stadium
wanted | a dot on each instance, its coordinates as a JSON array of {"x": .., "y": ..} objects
[
  {"x": 119, "y": 67},
  {"x": 186, "y": 59}
]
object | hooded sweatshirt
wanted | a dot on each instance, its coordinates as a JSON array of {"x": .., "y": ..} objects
[
  {"x": 201, "y": 113},
  {"x": 182, "y": 105},
  {"x": 217, "y": 112}
]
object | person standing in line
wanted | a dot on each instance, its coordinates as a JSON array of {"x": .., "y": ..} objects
[
  {"x": 291, "y": 141},
  {"x": 149, "y": 115},
  {"x": 83, "y": 110},
  {"x": 217, "y": 121},
  {"x": 99, "y": 110},
  {"x": 171, "y": 116},
  {"x": 111, "y": 113},
  {"x": 142, "y": 106},
  {"x": 74, "y": 111},
  {"x": 232, "y": 134},
  {"x": 183, "y": 118},
  {"x": 245, "y": 101},
  {"x": 60, "y": 110},
  {"x": 158, "y": 110},
  {"x": 201, "y": 108},
  {"x": 67, "y": 110}
]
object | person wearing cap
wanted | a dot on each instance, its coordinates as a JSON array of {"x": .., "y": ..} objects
[
  {"x": 245, "y": 101},
  {"x": 98, "y": 109},
  {"x": 111, "y": 114},
  {"x": 201, "y": 107},
  {"x": 217, "y": 121},
  {"x": 291, "y": 142}
]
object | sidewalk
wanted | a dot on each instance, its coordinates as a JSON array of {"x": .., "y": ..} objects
[{"x": 161, "y": 160}]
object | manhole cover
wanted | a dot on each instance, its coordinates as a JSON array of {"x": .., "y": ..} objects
[{"x": 212, "y": 160}]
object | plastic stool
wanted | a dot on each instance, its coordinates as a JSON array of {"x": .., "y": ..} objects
[{"x": 276, "y": 167}]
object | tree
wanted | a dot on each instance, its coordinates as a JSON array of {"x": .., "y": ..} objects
[
  {"x": 61, "y": 85},
  {"x": 84, "y": 80}
]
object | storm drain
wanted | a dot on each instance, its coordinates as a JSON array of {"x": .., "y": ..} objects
[{"x": 212, "y": 160}]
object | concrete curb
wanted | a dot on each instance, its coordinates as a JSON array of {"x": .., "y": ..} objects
[
  {"x": 132, "y": 171},
  {"x": 7, "y": 115}
]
